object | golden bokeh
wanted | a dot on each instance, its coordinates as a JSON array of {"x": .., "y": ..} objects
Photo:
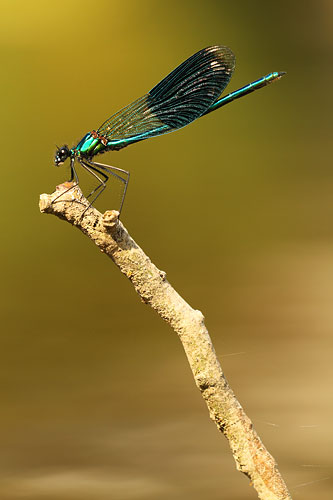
[{"x": 97, "y": 399}]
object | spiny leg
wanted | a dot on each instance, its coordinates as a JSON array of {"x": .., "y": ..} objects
[{"x": 109, "y": 168}]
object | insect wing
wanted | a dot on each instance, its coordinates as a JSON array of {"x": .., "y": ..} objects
[{"x": 181, "y": 97}]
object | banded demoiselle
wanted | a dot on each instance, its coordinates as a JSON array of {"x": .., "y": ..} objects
[{"x": 191, "y": 90}]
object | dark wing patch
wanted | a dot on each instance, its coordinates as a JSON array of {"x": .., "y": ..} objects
[{"x": 181, "y": 97}]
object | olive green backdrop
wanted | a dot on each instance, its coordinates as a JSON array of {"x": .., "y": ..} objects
[{"x": 97, "y": 399}]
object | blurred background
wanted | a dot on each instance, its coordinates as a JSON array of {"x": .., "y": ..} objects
[{"x": 98, "y": 401}]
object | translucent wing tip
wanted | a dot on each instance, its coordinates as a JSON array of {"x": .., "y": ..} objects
[{"x": 224, "y": 53}]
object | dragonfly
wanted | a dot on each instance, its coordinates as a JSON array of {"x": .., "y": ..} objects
[{"x": 190, "y": 91}]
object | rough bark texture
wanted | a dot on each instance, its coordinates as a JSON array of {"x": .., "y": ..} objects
[{"x": 109, "y": 234}]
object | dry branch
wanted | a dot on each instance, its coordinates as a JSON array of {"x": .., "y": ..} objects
[{"x": 109, "y": 234}]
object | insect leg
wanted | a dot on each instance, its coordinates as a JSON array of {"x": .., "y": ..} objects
[
  {"x": 74, "y": 177},
  {"x": 92, "y": 171},
  {"x": 109, "y": 169},
  {"x": 101, "y": 186}
]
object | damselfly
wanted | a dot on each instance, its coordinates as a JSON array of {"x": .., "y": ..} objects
[{"x": 192, "y": 90}]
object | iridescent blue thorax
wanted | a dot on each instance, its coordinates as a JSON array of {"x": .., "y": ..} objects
[{"x": 90, "y": 145}]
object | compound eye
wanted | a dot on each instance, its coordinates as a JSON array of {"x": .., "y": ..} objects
[{"x": 63, "y": 153}]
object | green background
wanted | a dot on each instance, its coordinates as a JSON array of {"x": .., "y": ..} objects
[{"x": 98, "y": 401}]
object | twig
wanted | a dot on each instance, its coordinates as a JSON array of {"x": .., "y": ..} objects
[{"x": 109, "y": 234}]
